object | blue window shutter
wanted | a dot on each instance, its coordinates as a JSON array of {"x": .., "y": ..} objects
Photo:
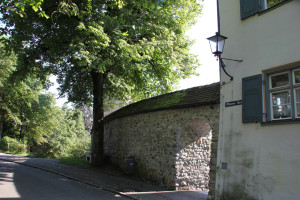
[
  {"x": 252, "y": 99},
  {"x": 249, "y": 8}
]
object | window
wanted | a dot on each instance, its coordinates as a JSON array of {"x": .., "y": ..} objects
[
  {"x": 265, "y": 4},
  {"x": 297, "y": 92},
  {"x": 284, "y": 95},
  {"x": 252, "y": 7}
]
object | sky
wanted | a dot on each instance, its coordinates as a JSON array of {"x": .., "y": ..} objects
[{"x": 205, "y": 27}]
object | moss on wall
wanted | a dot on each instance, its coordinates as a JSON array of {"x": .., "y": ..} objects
[{"x": 197, "y": 96}]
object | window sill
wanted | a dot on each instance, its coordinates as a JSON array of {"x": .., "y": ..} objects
[{"x": 281, "y": 122}]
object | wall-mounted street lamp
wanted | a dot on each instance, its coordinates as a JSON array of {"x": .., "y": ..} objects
[{"x": 217, "y": 43}]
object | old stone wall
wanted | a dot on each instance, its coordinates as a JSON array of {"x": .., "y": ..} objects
[{"x": 170, "y": 147}]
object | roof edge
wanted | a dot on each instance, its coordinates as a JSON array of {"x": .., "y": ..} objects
[{"x": 207, "y": 95}]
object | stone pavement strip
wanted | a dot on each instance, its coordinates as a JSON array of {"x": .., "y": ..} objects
[{"x": 109, "y": 180}]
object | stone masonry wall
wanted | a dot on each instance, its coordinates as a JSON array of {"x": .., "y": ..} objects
[
  {"x": 170, "y": 147},
  {"x": 193, "y": 155}
]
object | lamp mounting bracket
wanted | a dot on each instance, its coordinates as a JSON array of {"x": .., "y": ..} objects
[
  {"x": 232, "y": 59},
  {"x": 223, "y": 67}
]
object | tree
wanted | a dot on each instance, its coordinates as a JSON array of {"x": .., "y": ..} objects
[
  {"x": 107, "y": 51},
  {"x": 27, "y": 109},
  {"x": 30, "y": 116},
  {"x": 19, "y": 6},
  {"x": 68, "y": 138},
  {"x": 21, "y": 101},
  {"x": 7, "y": 66}
]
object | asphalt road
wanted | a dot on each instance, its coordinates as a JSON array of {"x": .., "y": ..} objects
[{"x": 22, "y": 182}]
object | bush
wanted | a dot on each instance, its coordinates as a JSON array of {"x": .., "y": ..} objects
[
  {"x": 12, "y": 145},
  {"x": 58, "y": 147},
  {"x": 80, "y": 147}
]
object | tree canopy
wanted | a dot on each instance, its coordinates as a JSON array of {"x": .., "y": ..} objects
[
  {"x": 28, "y": 114},
  {"x": 110, "y": 50}
]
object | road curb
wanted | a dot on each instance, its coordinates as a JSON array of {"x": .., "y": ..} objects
[{"x": 71, "y": 178}]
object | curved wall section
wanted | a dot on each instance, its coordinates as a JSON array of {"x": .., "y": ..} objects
[{"x": 171, "y": 147}]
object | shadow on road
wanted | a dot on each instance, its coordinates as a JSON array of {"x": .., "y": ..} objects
[
  {"x": 29, "y": 183},
  {"x": 123, "y": 184}
]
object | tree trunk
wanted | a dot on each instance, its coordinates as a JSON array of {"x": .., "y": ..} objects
[
  {"x": 23, "y": 132},
  {"x": 23, "y": 127},
  {"x": 98, "y": 123}
]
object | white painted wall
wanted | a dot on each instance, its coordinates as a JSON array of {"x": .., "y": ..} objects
[{"x": 263, "y": 161}]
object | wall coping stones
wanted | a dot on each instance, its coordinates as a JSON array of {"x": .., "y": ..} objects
[{"x": 191, "y": 97}]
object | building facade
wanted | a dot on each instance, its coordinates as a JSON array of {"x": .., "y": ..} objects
[{"x": 259, "y": 136}]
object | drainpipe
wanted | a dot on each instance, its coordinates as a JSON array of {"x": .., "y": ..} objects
[
  {"x": 218, "y": 16},
  {"x": 217, "y": 185}
]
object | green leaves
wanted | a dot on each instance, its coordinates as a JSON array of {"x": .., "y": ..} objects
[
  {"x": 68, "y": 8},
  {"x": 68, "y": 138},
  {"x": 114, "y": 50},
  {"x": 34, "y": 4},
  {"x": 30, "y": 115},
  {"x": 139, "y": 45}
]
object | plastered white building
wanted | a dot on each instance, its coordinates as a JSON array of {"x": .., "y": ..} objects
[{"x": 259, "y": 140}]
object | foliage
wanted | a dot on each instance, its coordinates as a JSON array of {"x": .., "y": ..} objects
[
  {"x": 80, "y": 162},
  {"x": 141, "y": 47},
  {"x": 112, "y": 50},
  {"x": 28, "y": 112},
  {"x": 19, "y": 99},
  {"x": 7, "y": 66},
  {"x": 19, "y": 7},
  {"x": 65, "y": 6},
  {"x": 67, "y": 139},
  {"x": 12, "y": 145},
  {"x": 16, "y": 97},
  {"x": 81, "y": 145},
  {"x": 27, "y": 109},
  {"x": 273, "y": 2}
]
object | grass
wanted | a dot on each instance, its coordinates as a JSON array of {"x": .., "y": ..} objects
[
  {"x": 80, "y": 162},
  {"x": 109, "y": 168},
  {"x": 14, "y": 153}
]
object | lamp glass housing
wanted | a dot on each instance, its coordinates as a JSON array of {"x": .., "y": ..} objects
[{"x": 217, "y": 43}]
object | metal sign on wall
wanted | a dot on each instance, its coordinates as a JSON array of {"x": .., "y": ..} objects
[{"x": 233, "y": 103}]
